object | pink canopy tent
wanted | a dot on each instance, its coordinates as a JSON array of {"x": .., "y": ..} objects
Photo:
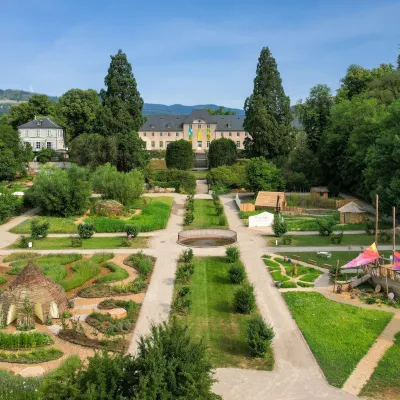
[
  {"x": 369, "y": 255},
  {"x": 396, "y": 261}
]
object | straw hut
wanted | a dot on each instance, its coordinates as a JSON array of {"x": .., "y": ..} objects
[
  {"x": 321, "y": 191},
  {"x": 351, "y": 213},
  {"x": 32, "y": 294},
  {"x": 270, "y": 200}
]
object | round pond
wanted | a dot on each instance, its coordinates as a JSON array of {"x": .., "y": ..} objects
[{"x": 207, "y": 237}]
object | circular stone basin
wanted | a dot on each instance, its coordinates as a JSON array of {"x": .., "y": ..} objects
[{"x": 207, "y": 237}]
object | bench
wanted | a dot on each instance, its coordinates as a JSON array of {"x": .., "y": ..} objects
[
  {"x": 312, "y": 262},
  {"x": 328, "y": 266},
  {"x": 297, "y": 258}
]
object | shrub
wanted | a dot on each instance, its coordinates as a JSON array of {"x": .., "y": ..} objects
[
  {"x": 237, "y": 273},
  {"x": 86, "y": 230},
  {"x": 219, "y": 209},
  {"x": 8, "y": 204},
  {"x": 259, "y": 336},
  {"x": 23, "y": 242},
  {"x": 245, "y": 300},
  {"x": 182, "y": 181},
  {"x": 60, "y": 192},
  {"x": 222, "y": 152},
  {"x": 384, "y": 237},
  {"x": 184, "y": 273},
  {"x": 263, "y": 175},
  {"x": 279, "y": 226},
  {"x": 337, "y": 239},
  {"x": 108, "y": 208},
  {"x": 370, "y": 300},
  {"x": 186, "y": 256},
  {"x": 126, "y": 242},
  {"x": 181, "y": 303},
  {"x": 222, "y": 221},
  {"x": 179, "y": 155},
  {"x": 132, "y": 230},
  {"x": 76, "y": 241},
  {"x": 189, "y": 218},
  {"x": 44, "y": 155},
  {"x": 287, "y": 239},
  {"x": 325, "y": 226},
  {"x": 39, "y": 229},
  {"x": 224, "y": 178},
  {"x": 9, "y": 341},
  {"x": 124, "y": 187},
  {"x": 233, "y": 254}
]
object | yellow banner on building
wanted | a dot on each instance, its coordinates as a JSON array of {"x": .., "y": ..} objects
[
  {"x": 199, "y": 135},
  {"x": 208, "y": 134}
]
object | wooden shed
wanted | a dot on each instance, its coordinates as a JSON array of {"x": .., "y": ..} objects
[
  {"x": 32, "y": 294},
  {"x": 321, "y": 191},
  {"x": 351, "y": 213},
  {"x": 270, "y": 200}
]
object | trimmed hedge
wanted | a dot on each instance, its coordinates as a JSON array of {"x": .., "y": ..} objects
[
  {"x": 222, "y": 152},
  {"x": 182, "y": 181},
  {"x": 179, "y": 155}
]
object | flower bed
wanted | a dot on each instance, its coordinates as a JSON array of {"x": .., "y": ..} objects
[
  {"x": 10, "y": 341},
  {"x": 31, "y": 357}
]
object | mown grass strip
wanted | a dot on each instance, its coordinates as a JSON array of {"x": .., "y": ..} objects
[{"x": 339, "y": 335}]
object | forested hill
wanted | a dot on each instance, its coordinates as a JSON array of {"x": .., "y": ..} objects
[{"x": 11, "y": 97}]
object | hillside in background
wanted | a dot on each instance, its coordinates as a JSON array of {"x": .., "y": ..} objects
[{"x": 10, "y": 97}]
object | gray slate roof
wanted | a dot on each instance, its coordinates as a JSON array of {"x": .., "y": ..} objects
[
  {"x": 41, "y": 123},
  {"x": 175, "y": 122}
]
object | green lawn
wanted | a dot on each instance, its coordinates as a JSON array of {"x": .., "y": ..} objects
[
  {"x": 339, "y": 335},
  {"x": 342, "y": 256},
  {"x": 385, "y": 381},
  {"x": 205, "y": 216},
  {"x": 57, "y": 225},
  {"x": 55, "y": 243},
  {"x": 316, "y": 240},
  {"x": 155, "y": 215},
  {"x": 211, "y": 316}
]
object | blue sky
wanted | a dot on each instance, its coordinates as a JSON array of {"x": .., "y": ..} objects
[{"x": 192, "y": 52}]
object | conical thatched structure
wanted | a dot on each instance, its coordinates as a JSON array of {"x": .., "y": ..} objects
[
  {"x": 351, "y": 213},
  {"x": 32, "y": 294}
]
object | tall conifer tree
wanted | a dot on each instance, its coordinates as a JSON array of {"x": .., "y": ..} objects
[
  {"x": 267, "y": 111},
  {"x": 121, "y": 100}
]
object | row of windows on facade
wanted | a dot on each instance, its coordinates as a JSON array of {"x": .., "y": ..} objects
[
  {"x": 38, "y": 145},
  {"x": 50, "y": 132},
  {"x": 190, "y": 126},
  {"x": 199, "y": 144},
  {"x": 177, "y": 134}
]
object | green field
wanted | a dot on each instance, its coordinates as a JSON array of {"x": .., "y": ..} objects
[
  {"x": 54, "y": 243},
  {"x": 316, "y": 240},
  {"x": 342, "y": 256},
  {"x": 385, "y": 381},
  {"x": 57, "y": 225},
  {"x": 205, "y": 216},
  {"x": 212, "y": 317},
  {"x": 339, "y": 335}
]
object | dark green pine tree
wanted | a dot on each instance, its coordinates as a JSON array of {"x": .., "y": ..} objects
[
  {"x": 268, "y": 85},
  {"x": 121, "y": 99},
  {"x": 267, "y": 111}
]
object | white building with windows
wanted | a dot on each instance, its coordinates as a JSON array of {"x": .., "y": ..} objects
[{"x": 43, "y": 133}]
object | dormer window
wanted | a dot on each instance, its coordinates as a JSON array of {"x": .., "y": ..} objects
[
  {"x": 168, "y": 126},
  {"x": 151, "y": 125},
  {"x": 228, "y": 125},
  {"x": 39, "y": 122}
]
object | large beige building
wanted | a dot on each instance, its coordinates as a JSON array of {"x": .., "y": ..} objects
[{"x": 199, "y": 127}]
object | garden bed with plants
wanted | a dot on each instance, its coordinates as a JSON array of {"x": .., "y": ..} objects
[
  {"x": 18, "y": 341},
  {"x": 56, "y": 225},
  {"x": 140, "y": 262},
  {"x": 202, "y": 214},
  {"x": 69, "y": 270},
  {"x": 339, "y": 335},
  {"x": 109, "y": 326},
  {"x": 54, "y": 243},
  {"x": 222, "y": 312},
  {"x": 31, "y": 357},
  {"x": 292, "y": 276}
]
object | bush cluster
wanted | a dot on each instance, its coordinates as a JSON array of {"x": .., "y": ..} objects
[
  {"x": 189, "y": 210},
  {"x": 142, "y": 263},
  {"x": 223, "y": 179},
  {"x": 182, "y": 181},
  {"x": 237, "y": 273},
  {"x": 325, "y": 226},
  {"x": 179, "y": 155},
  {"x": 279, "y": 226},
  {"x": 182, "y": 302},
  {"x": 39, "y": 229},
  {"x": 233, "y": 254},
  {"x": 132, "y": 230},
  {"x": 245, "y": 300},
  {"x": 76, "y": 241},
  {"x": 8, "y": 204},
  {"x": 186, "y": 256},
  {"x": 337, "y": 239},
  {"x": 86, "y": 230},
  {"x": 222, "y": 152},
  {"x": 259, "y": 336},
  {"x": 184, "y": 273}
]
